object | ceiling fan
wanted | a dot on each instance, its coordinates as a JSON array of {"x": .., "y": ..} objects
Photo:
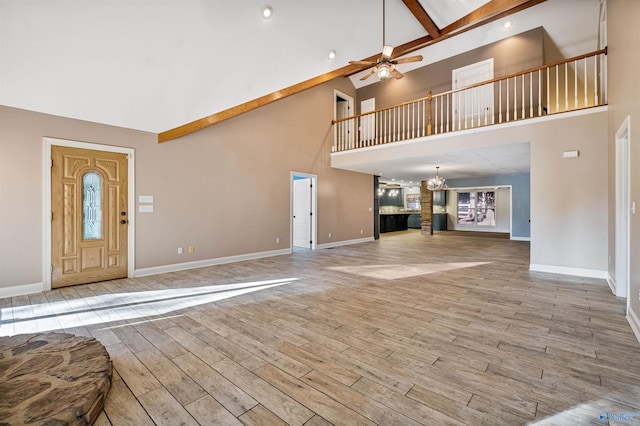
[{"x": 385, "y": 66}]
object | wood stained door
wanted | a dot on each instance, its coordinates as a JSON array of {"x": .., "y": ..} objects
[{"x": 89, "y": 216}]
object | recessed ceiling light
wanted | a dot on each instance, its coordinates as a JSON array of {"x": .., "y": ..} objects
[
  {"x": 267, "y": 11},
  {"x": 507, "y": 24},
  {"x": 331, "y": 54}
]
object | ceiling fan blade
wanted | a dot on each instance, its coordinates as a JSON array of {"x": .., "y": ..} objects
[
  {"x": 397, "y": 74},
  {"x": 417, "y": 58},
  {"x": 387, "y": 51},
  {"x": 369, "y": 74},
  {"x": 362, "y": 63}
]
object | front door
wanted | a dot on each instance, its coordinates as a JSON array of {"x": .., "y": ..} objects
[{"x": 89, "y": 216}]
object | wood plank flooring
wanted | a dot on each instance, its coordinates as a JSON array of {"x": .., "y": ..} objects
[{"x": 407, "y": 330}]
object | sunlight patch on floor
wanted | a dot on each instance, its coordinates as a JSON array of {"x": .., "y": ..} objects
[
  {"x": 602, "y": 411},
  {"x": 395, "y": 272},
  {"x": 84, "y": 311}
]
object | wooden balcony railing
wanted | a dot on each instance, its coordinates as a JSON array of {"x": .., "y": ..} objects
[{"x": 568, "y": 85}]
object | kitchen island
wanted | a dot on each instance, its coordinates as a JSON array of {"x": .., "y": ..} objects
[{"x": 390, "y": 222}]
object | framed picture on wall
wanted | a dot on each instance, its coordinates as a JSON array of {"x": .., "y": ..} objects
[{"x": 477, "y": 208}]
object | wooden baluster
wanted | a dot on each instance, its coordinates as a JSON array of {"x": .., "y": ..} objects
[
  {"x": 429, "y": 96},
  {"x": 575, "y": 84},
  {"x": 515, "y": 97},
  {"x": 557, "y": 90},
  {"x": 566, "y": 87},
  {"x": 539, "y": 93},
  {"x": 447, "y": 108},
  {"x": 586, "y": 90},
  {"x": 435, "y": 119},
  {"x": 523, "y": 108},
  {"x": 595, "y": 81},
  {"x": 507, "y": 98},
  {"x": 500, "y": 101},
  {"x": 548, "y": 94}
]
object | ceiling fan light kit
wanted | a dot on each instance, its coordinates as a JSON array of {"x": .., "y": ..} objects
[{"x": 385, "y": 67}]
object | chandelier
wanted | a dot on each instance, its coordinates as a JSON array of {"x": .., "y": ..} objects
[{"x": 436, "y": 183}]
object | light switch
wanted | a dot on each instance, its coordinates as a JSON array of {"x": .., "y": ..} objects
[
  {"x": 145, "y": 199},
  {"x": 146, "y": 208}
]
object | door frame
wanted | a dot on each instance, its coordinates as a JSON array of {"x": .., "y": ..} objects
[
  {"x": 314, "y": 207},
  {"x": 350, "y": 126},
  {"x": 622, "y": 203},
  {"x": 47, "y": 143},
  {"x": 485, "y": 91}
]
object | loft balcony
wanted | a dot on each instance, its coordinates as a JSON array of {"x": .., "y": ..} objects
[{"x": 570, "y": 85}]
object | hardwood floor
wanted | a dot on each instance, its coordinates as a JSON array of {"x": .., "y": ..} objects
[{"x": 407, "y": 330}]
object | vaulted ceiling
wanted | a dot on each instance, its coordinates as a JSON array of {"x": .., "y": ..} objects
[{"x": 153, "y": 65}]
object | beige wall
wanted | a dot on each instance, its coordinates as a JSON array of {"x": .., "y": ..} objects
[
  {"x": 568, "y": 195},
  {"x": 623, "y": 34},
  {"x": 511, "y": 55},
  {"x": 224, "y": 190}
]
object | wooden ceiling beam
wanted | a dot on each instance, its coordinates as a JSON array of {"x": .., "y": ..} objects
[
  {"x": 423, "y": 17},
  {"x": 496, "y": 9},
  {"x": 487, "y": 12},
  {"x": 463, "y": 25},
  {"x": 212, "y": 119}
]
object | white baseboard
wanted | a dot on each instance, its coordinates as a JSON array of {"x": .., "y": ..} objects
[
  {"x": 562, "y": 270},
  {"x": 21, "y": 290},
  {"x": 521, "y": 238},
  {"x": 612, "y": 283},
  {"x": 207, "y": 262},
  {"x": 634, "y": 322},
  {"x": 345, "y": 243}
]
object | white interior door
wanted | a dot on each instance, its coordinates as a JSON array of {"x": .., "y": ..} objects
[
  {"x": 367, "y": 123},
  {"x": 302, "y": 204},
  {"x": 622, "y": 210},
  {"x": 472, "y": 107}
]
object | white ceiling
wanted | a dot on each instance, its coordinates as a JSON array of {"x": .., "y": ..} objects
[{"x": 153, "y": 65}]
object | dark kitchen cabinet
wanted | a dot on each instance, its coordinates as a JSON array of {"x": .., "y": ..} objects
[
  {"x": 439, "y": 198},
  {"x": 393, "y": 222},
  {"x": 440, "y": 222},
  {"x": 392, "y": 197}
]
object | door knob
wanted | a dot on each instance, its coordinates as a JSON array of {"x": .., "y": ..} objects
[{"x": 123, "y": 213}]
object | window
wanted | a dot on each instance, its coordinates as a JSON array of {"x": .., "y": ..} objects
[
  {"x": 91, "y": 206},
  {"x": 477, "y": 208}
]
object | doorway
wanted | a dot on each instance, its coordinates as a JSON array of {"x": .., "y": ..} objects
[
  {"x": 303, "y": 210},
  {"x": 88, "y": 230},
  {"x": 343, "y": 131},
  {"x": 621, "y": 281}
]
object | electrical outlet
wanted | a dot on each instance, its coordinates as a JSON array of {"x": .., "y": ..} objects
[
  {"x": 179, "y": 250},
  {"x": 361, "y": 231},
  {"x": 329, "y": 234},
  {"x": 277, "y": 240},
  {"x": 192, "y": 249}
]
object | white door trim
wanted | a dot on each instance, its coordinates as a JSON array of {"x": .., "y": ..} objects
[
  {"x": 314, "y": 208},
  {"x": 622, "y": 203},
  {"x": 350, "y": 124},
  {"x": 47, "y": 143}
]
